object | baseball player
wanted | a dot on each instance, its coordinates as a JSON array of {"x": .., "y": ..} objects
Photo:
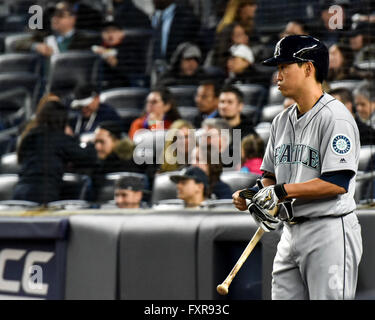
[{"x": 310, "y": 164}]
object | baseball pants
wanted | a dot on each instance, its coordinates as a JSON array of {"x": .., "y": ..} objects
[{"x": 318, "y": 259}]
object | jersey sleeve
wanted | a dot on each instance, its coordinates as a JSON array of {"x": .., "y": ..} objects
[
  {"x": 268, "y": 158},
  {"x": 340, "y": 147}
]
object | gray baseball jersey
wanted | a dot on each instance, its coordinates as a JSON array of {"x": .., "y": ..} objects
[
  {"x": 325, "y": 139},
  {"x": 317, "y": 259}
]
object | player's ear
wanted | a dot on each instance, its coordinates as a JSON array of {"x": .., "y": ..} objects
[{"x": 309, "y": 68}]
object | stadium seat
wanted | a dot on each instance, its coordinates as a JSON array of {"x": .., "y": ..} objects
[
  {"x": 275, "y": 96},
  {"x": 365, "y": 156},
  {"x": 220, "y": 204},
  {"x": 16, "y": 22},
  {"x": 12, "y": 38},
  {"x": 106, "y": 193},
  {"x": 163, "y": 187},
  {"x": 269, "y": 112},
  {"x": 184, "y": 95},
  {"x": 73, "y": 187},
  {"x": 125, "y": 98},
  {"x": 16, "y": 106},
  {"x": 188, "y": 113},
  {"x": 26, "y": 80},
  {"x": 238, "y": 180},
  {"x": 6, "y": 205},
  {"x": 263, "y": 130},
  {"x": 348, "y": 84},
  {"x": 7, "y": 184},
  {"x": 254, "y": 94},
  {"x": 69, "y": 69},
  {"x": 9, "y": 163},
  {"x": 69, "y": 205},
  {"x": 20, "y": 62}
]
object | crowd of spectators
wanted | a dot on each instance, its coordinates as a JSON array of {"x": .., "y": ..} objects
[{"x": 181, "y": 43}]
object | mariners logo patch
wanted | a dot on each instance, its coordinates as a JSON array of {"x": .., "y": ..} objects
[{"x": 341, "y": 144}]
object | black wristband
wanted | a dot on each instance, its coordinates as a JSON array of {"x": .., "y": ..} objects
[{"x": 280, "y": 191}]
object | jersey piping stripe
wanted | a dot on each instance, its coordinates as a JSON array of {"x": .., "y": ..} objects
[
  {"x": 316, "y": 114},
  {"x": 344, "y": 275}
]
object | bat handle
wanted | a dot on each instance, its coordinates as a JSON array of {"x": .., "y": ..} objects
[{"x": 223, "y": 288}]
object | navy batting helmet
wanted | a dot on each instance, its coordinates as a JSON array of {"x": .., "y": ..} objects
[{"x": 301, "y": 48}]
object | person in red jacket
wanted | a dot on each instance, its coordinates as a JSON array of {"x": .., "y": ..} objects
[{"x": 160, "y": 112}]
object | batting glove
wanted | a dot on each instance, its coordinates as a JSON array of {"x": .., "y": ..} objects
[{"x": 268, "y": 197}]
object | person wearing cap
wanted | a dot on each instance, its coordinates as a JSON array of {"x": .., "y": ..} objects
[
  {"x": 241, "y": 68},
  {"x": 90, "y": 110},
  {"x": 129, "y": 192},
  {"x": 62, "y": 37},
  {"x": 310, "y": 166},
  {"x": 192, "y": 186},
  {"x": 123, "y": 57},
  {"x": 185, "y": 67}
]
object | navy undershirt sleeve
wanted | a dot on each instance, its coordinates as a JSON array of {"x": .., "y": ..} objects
[{"x": 340, "y": 178}]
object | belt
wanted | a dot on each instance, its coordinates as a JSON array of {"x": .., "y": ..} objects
[{"x": 299, "y": 220}]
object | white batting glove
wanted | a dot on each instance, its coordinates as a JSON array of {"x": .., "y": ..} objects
[{"x": 266, "y": 198}]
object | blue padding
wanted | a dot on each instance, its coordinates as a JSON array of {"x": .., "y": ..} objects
[{"x": 33, "y": 228}]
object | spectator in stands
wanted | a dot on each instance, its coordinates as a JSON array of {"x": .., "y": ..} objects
[
  {"x": 208, "y": 158},
  {"x": 129, "y": 16},
  {"x": 185, "y": 67},
  {"x": 64, "y": 35},
  {"x": 364, "y": 97},
  {"x": 91, "y": 110},
  {"x": 129, "y": 193},
  {"x": 179, "y": 143},
  {"x": 360, "y": 38},
  {"x": 115, "y": 153},
  {"x": 327, "y": 32},
  {"x": 207, "y": 101},
  {"x": 230, "y": 35},
  {"x": 160, "y": 112},
  {"x": 252, "y": 152},
  {"x": 294, "y": 27},
  {"x": 243, "y": 12},
  {"x": 230, "y": 108},
  {"x": 341, "y": 63},
  {"x": 87, "y": 16},
  {"x": 218, "y": 133},
  {"x": 366, "y": 132},
  {"x": 122, "y": 56},
  {"x": 241, "y": 67},
  {"x": 43, "y": 152},
  {"x": 192, "y": 186},
  {"x": 173, "y": 24}
]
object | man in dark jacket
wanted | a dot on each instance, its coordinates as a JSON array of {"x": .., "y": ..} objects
[
  {"x": 91, "y": 110},
  {"x": 123, "y": 57},
  {"x": 173, "y": 24},
  {"x": 64, "y": 35}
]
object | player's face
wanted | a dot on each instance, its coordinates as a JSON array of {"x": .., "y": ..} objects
[
  {"x": 290, "y": 77},
  {"x": 364, "y": 107},
  {"x": 127, "y": 198}
]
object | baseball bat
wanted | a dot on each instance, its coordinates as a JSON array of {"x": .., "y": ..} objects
[{"x": 223, "y": 288}]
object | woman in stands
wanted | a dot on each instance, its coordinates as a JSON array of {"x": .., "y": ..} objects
[
  {"x": 160, "y": 112},
  {"x": 208, "y": 159},
  {"x": 43, "y": 152}
]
